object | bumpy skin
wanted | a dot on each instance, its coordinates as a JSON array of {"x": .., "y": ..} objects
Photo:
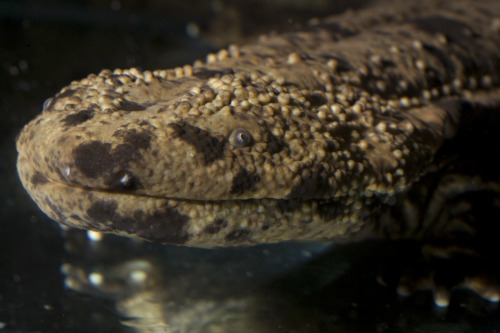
[{"x": 308, "y": 135}]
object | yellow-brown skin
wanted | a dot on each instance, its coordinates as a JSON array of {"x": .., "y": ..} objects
[{"x": 301, "y": 136}]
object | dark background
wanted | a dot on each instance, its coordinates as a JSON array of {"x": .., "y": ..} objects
[{"x": 45, "y": 45}]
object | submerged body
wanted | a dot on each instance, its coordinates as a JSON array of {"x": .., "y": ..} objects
[{"x": 315, "y": 135}]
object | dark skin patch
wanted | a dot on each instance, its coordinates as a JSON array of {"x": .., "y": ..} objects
[
  {"x": 274, "y": 145},
  {"x": 342, "y": 64},
  {"x": 207, "y": 73},
  {"x": 32, "y": 135},
  {"x": 60, "y": 216},
  {"x": 210, "y": 147},
  {"x": 342, "y": 135},
  {"x": 97, "y": 159},
  {"x": 336, "y": 30},
  {"x": 217, "y": 225},
  {"x": 286, "y": 206},
  {"x": 458, "y": 33},
  {"x": 393, "y": 89},
  {"x": 244, "y": 181},
  {"x": 78, "y": 118},
  {"x": 316, "y": 99},
  {"x": 313, "y": 184},
  {"x": 331, "y": 210},
  {"x": 238, "y": 235},
  {"x": 138, "y": 140},
  {"x": 76, "y": 217},
  {"x": 443, "y": 57},
  {"x": 165, "y": 225},
  {"x": 131, "y": 106},
  {"x": 94, "y": 158},
  {"x": 454, "y": 30},
  {"x": 38, "y": 179}
]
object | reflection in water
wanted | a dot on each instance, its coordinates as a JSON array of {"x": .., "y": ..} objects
[
  {"x": 287, "y": 287},
  {"x": 160, "y": 288}
]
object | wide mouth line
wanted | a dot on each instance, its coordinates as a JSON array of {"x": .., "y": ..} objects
[{"x": 147, "y": 196}]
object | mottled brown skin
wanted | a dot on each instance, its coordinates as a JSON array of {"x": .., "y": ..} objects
[{"x": 314, "y": 135}]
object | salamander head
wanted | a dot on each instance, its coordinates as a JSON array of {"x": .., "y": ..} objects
[
  {"x": 121, "y": 148},
  {"x": 184, "y": 139}
]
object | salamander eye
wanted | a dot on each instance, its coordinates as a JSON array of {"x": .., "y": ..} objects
[{"x": 240, "y": 138}]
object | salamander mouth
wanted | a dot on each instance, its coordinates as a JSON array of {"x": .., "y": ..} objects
[
  {"x": 174, "y": 220},
  {"x": 38, "y": 179},
  {"x": 40, "y": 186},
  {"x": 131, "y": 214}
]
